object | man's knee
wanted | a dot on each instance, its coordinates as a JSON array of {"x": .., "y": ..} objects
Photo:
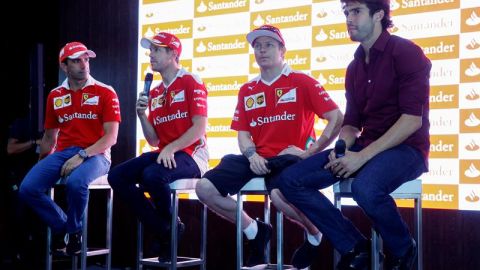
[
  {"x": 363, "y": 194},
  {"x": 276, "y": 197},
  {"x": 76, "y": 185},
  {"x": 113, "y": 178},
  {"x": 152, "y": 179},
  {"x": 26, "y": 191},
  {"x": 205, "y": 190},
  {"x": 285, "y": 183}
]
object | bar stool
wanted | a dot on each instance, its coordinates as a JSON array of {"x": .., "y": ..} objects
[
  {"x": 178, "y": 186},
  {"x": 256, "y": 186},
  {"x": 409, "y": 190},
  {"x": 101, "y": 183}
]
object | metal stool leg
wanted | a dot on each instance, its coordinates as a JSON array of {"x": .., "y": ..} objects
[
  {"x": 375, "y": 250},
  {"x": 418, "y": 231},
  {"x": 203, "y": 239},
  {"x": 74, "y": 262},
  {"x": 279, "y": 240},
  {"x": 139, "y": 244},
  {"x": 48, "y": 258},
  {"x": 83, "y": 252},
  {"x": 239, "y": 231},
  {"x": 173, "y": 239},
  {"x": 266, "y": 209},
  {"x": 177, "y": 187},
  {"x": 337, "y": 201},
  {"x": 108, "y": 240}
]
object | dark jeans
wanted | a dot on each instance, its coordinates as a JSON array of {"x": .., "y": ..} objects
[
  {"x": 371, "y": 188},
  {"x": 46, "y": 173},
  {"x": 153, "y": 178}
]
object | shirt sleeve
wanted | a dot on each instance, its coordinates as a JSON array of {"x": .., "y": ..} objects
[
  {"x": 319, "y": 99},
  {"x": 51, "y": 120},
  {"x": 413, "y": 69},
  {"x": 352, "y": 114},
  {"x": 111, "y": 107},
  {"x": 239, "y": 116}
]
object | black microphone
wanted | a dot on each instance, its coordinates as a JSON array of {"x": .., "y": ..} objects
[
  {"x": 340, "y": 148},
  {"x": 148, "y": 83}
]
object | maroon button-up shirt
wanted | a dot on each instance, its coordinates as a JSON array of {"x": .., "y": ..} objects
[{"x": 394, "y": 82}]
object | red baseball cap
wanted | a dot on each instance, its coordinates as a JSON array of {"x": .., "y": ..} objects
[
  {"x": 73, "y": 50},
  {"x": 163, "y": 39},
  {"x": 265, "y": 31}
]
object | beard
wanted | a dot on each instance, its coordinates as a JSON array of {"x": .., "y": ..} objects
[{"x": 361, "y": 34}]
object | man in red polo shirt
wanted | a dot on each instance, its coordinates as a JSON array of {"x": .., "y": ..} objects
[
  {"x": 274, "y": 118},
  {"x": 81, "y": 124},
  {"x": 176, "y": 123},
  {"x": 386, "y": 131}
]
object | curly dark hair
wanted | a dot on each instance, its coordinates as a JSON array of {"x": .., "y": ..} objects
[{"x": 375, "y": 6}]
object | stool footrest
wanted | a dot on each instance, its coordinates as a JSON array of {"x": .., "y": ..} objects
[
  {"x": 270, "y": 266},
  {"x": 97, "y": 251},
  {"x": 181, "y": 262}
]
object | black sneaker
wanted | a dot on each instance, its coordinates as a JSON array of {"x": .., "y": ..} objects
[
  {"x": 305, "y": 254},
  {"x": 57, "y": 244},
  {"x": 406, "y": 262},
  {"x": 357, "y": 258},
  {"x": 74, "y": 246},
  {"x": 258, "y": 246},
  {"x": 164, "y": 251}
]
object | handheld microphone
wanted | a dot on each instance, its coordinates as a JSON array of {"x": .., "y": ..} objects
[
  {"x": 148, "y": 83},
  {"x": 340, "y": 148}
]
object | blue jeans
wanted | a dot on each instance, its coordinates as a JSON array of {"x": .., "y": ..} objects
[
  {"x": 371, "y": 188},
  {"x": 153, "y": 178},
  {"x": 46, "y": 173}
]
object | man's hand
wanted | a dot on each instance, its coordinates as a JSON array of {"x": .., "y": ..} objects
[
  {"x": 258, "y": 164},
  {"x": 70, "y": 165},
  {"x": 142, "y": 104},
  {"x": 347, "y": 165},
  {"x": 167, "y": 157},
  {"x": 293, "y": 150}
]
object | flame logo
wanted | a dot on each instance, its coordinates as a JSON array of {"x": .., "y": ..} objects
[
  {"x": 472, "y": 146},
  {"x": 321, "y": 36},
  {"x": 149, "y": 33},
  {"x": 322, "y": 14},
  {"x": 473, "y": 45},
  {"x": 472, "y": 172},
  {"x": 473, "y": 95},
  {"x": 472, "y": 121},
  {"x": 394, "y": 5},
  {"x": 201, "y": 48},
  {"x": 321, "y": 79},
  {"x": 202, "y": 7},
  {"x": 472, "y": 70},
  {"x": 472, "y": 197},
  {"x": 393, "y": 29},
  {"x": 473, "y": 19},
  {"x": 259, "y": 21},
  {"x": 321, "y": 59}
]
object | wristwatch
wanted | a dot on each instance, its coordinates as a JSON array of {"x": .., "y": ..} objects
[{"x": 83, "y": 154}]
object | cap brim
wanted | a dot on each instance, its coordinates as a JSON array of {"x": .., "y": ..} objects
[
  {"x": 262, "y": 33},
  {"x": 90, "y": 54},
  {"x": 146, "y": 43}
]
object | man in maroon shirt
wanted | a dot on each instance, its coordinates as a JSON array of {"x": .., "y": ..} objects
[{"x": 386, "y": 134}]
